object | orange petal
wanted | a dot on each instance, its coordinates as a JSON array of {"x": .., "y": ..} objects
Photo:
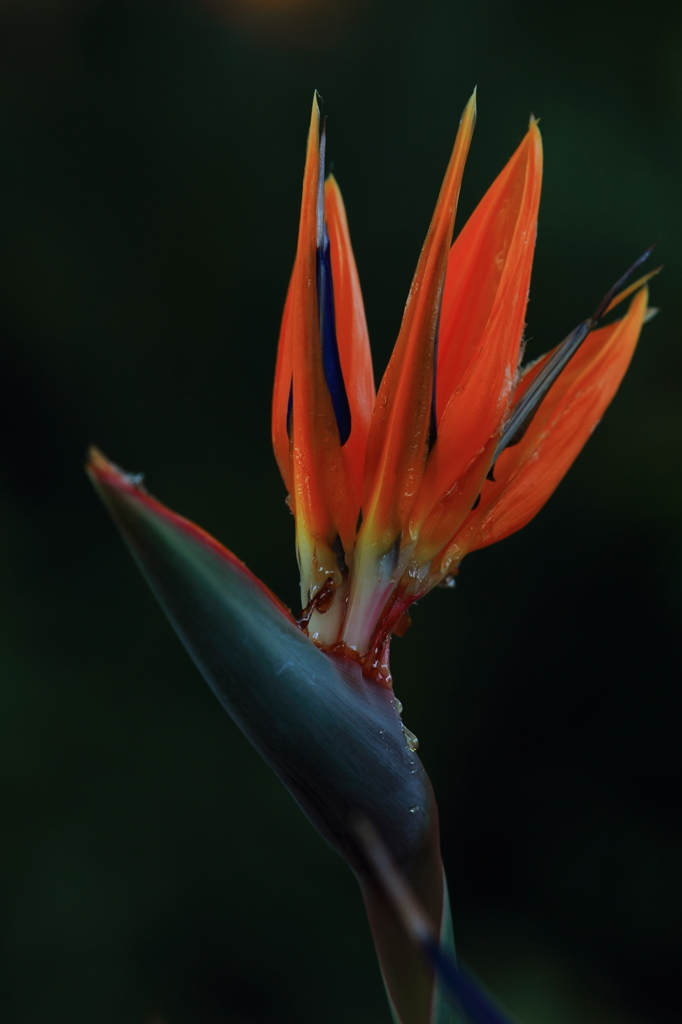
[
  {"x": 527, "y": 474},
  {"x": 484, "y": 306},
  {"x": 450, "y": 511},
  {"x": 538, "y": 378},
  {"x": 351, "y": 335},
  {"x": 496, "y": 242},
  {"x": 318, "y": 477},
  {"x": 631, "y": 288},
  {"x": 398, "y": 438}
]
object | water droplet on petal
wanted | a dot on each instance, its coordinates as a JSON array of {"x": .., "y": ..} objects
[
  {"x": 398, "y": 706},
  {"x": 413, "y": 809}
]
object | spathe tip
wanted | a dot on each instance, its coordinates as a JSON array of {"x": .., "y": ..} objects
[
  {"x": 95, "y": 459},
  {"x": 99, "y": 468}
]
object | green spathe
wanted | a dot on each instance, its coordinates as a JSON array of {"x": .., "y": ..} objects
[{"x": 333, "y": 737}]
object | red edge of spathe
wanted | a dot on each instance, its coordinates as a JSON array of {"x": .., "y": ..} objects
[{"x": 107, "y": 475}]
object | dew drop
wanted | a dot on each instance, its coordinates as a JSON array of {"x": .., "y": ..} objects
[
  {"x": 398, "y": 706},
  {"x": 411, "y": 740},
  {"x": 413, "y": 809}
]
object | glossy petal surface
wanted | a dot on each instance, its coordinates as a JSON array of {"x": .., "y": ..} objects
[
  {"x": 398, "y": 444},
  {"x": 353, "y": 339},
  {"x": 527, "y": 474},
  {"x": 484, "y": 310},
  {"x": 397, "y": 447}
]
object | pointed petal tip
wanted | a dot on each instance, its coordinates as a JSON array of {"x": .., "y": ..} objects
[
  {"x": 399, "y": 436},
  {"x": 640, "y": 301},
  {"x": 315, "y": 114},
  {"x": 635, "y": 286},
  {"x": 534, "y": 133},
  {"x": 617, "y": 293},
  {"x": 469, "y": 112}
]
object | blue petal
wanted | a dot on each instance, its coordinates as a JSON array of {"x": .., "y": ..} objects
[{"x": 331, "y": 362}]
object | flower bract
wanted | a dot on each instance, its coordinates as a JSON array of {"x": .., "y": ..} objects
[
  {"x": 390, "y": 489},
  {"x": 461, "y": 445}
]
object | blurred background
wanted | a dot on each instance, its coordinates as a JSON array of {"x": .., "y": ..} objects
[{"x": 153, "y": 870}]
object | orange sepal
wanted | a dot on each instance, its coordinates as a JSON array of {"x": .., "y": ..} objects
[
  {"x": 351, "y": 336},
  {"x": 490, "y": 264},
  {"x": 527, "y": 474},
  {"x": 319, "y": 487},
  {"x": 496, "y": 243},
  {"x": 398, "y": 438},
  {"x": 450, "y": 510}
]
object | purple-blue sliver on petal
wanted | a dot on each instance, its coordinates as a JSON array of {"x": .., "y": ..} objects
[{"x": 331, "y": 362}]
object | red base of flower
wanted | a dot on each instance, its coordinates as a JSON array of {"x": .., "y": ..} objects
[{"x": 375, "y": 663}]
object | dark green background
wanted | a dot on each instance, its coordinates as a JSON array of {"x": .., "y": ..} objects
[{"x": 150, "y": 165}]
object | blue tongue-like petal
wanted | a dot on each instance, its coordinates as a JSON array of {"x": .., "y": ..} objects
[
  {"x": 331, "y": 362},
  {"x": 522, "y": 415}
]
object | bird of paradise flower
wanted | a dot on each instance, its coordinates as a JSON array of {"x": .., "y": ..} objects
[{"x": 458, "y": 449}]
